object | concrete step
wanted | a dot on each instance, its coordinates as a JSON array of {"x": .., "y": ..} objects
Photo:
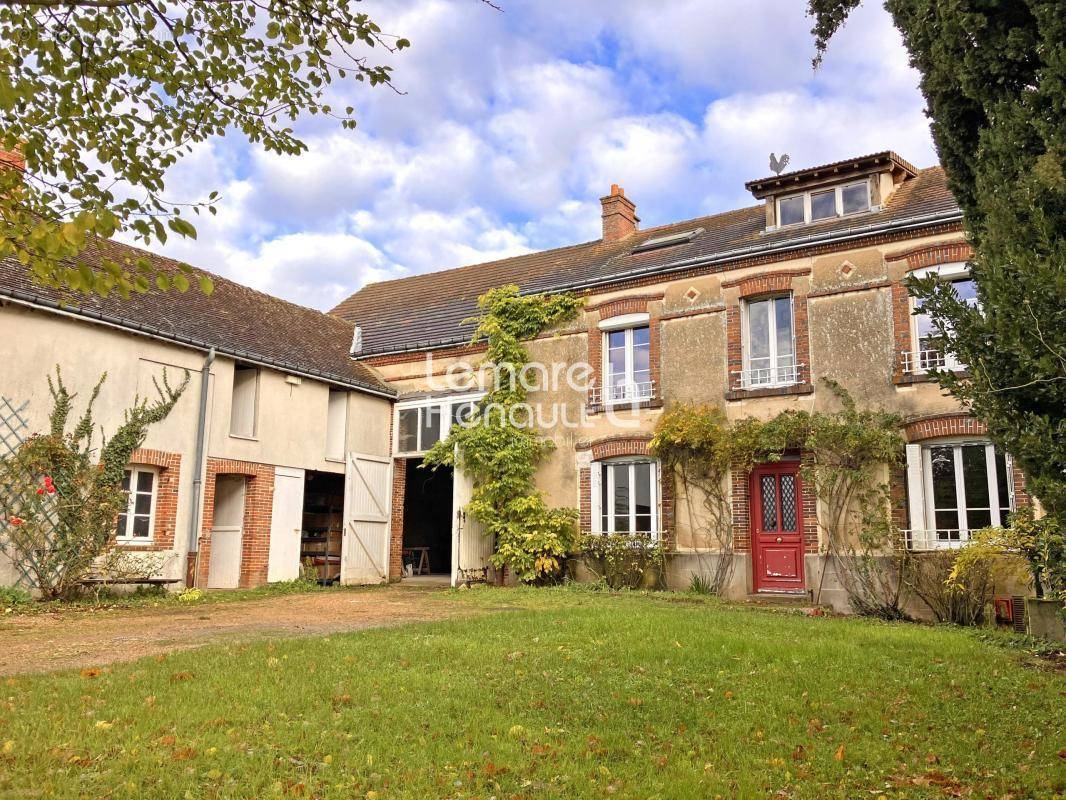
[{"x": 803, "y": 599}]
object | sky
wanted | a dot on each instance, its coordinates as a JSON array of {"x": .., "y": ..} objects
[{"x": 512, "y": 124}]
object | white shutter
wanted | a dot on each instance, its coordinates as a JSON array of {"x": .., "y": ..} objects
[
  {"x": 471, "y": 546},
  {"x": 286, "y": 523},
  {"x": 915, "y": 489},
  {"x": 595, "y": 476},
  {"x": 367, "y": 519}
]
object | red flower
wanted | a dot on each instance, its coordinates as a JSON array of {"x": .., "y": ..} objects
[
  {"x": 47, "y": 480},
  {"x": 51, "y": 489},
  {"x": 40, "y": 491},
  {"x": 15, "y": 520}
]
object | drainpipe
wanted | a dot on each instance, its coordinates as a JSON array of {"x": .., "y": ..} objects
[{"x": 198, "y": 465}]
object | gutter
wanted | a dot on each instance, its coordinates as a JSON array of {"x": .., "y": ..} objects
[
  {"x": 199, "y": 462},
  {"x": 909, "y": 223},
  {"x": 33, "y": 300}
]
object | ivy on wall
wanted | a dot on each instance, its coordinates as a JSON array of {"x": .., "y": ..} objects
[
  {"x": 499, "y": 448},
  {"x": 847, "y": 449}
]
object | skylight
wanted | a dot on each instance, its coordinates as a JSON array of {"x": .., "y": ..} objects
[{"x": 669, "y": 240}]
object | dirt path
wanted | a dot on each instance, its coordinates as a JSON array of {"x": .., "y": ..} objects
[{"x": 51, "y": 642}]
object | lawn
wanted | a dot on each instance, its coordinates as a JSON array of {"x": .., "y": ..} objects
[{"x": 553, "y": 693}]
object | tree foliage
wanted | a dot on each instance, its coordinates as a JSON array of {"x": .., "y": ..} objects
[
  {"x": 58, "y": 501},
  {"x": 103, "y": 96},
  {"x": 499, "y": 448},
  {"x": 994, "y": 79}
]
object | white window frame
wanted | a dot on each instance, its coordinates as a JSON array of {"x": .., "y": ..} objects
[
  {"x": 445, "y": 405},
  {"x": 918, "y": 361},
  {"x": 928, "y": 503},
  {"x": 131, "y": 500},
  {"x": 838, "y": 198},
  {"x": 631, "y": 390},
  {"x": 790, "y": 377},
  {"x": 596, "y": 489}
]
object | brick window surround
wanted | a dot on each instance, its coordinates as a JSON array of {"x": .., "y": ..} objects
[
  {"x": 258, "y": 510},
  {"x": 918, "y": 258},
  {"x": 168, "y": 480},
  {"x": 614, "y": 447},
  {"x": 620, "y": 306},
  {"x": 740, "y": 482},
  {"x": 755, "y": 287},
  {"x": 961, "y": 424}
]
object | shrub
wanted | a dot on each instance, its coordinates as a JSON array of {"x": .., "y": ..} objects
[
  {"x": 963, "y": 599},
  {"x": 13, "y": 597},
  {"x": 624, "y": 561}
]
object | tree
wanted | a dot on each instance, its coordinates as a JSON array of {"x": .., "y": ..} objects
[
  {"x": 101, "y": 97},
  {"x": 993, "y": 73},
  {"x": 58, "y": 503}
]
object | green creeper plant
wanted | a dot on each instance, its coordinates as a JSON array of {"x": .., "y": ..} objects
[
  {"x": 499, "y": 448},
  {"x": 101, "y": 97},
  {"x": 994, "y": 78},
  {"x": 58, "y": 501}
]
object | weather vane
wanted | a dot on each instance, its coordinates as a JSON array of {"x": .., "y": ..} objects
[{"x": 777, "y": 165}]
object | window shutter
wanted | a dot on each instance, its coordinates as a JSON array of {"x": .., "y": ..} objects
[
  {"x": 595, "y": 474},
  {"x": 915, "y": 488}
]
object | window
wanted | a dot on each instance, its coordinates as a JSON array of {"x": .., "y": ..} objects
[
  {"x": 245, "y": 402},
  {"x": 627, "y": 364},
  {"x": 423, "y": 423},
  {"x": 336, "y": 424},
  {"x": 790, "y": 211},
  {"x": 136, "y": 524},
  {"x": 967, "y": 488},
  {"x": 625, "y": 497},
  {"x": 769, "y": 344},
  {"x": 930, "y": 356},
  {"x": 836, "y": 201}
]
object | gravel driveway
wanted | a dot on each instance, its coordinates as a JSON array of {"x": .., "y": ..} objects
[{"x": 45, "y": 642}]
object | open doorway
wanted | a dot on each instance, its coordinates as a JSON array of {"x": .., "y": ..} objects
[
  {"x": 322, "y": 532},
  {"x": 427, "y": 520}
]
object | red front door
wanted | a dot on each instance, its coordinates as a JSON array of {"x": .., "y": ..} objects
[{"x": 777, "y": 527}]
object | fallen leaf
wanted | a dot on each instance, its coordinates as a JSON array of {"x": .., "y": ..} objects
[
  {"x": 839, "y": 754},
  {"x": 180, "y": 676},
  {"x": 90, "y": 672},
  {"x": 183, "y": 754},
  {"x": 799, "y": 753}
]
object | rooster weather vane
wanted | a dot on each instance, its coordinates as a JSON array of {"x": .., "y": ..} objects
[{"x": 777, "y": 165}]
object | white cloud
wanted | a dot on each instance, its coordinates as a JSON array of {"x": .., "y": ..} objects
[{"x": 515, "y": 123}]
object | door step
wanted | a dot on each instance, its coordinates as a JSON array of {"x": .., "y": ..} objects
[{"x": 803, "y": 599}]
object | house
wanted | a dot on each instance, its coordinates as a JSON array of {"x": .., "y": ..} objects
[
  {"x": 314, "y": 425},
  {"x": 746, "y": 310},
  {"x": 294, "y": 462}
]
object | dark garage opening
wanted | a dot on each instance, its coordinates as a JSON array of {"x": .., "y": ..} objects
[
  {"x": 427, "y": 519},
  {"x": 323, "y": 525}
]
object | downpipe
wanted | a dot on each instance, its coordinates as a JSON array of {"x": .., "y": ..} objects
[{"x": 198, "y": 468}]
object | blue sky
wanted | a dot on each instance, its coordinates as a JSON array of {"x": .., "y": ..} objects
[{"x": 513, "y": 123}]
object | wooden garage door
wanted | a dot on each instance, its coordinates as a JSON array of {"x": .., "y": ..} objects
[{"x": 367, "y": 508}]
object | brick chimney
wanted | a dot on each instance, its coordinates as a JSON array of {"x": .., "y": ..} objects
[{"x": 619, "y": 215}]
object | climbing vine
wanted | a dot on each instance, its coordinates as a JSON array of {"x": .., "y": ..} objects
[
  {"x": 500, "y": 449},
  {"x": 59, "y": 502},
  {"x": 846, "y": 452}
]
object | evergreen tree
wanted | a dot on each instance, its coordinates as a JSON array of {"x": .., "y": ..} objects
[{"x": 993, "y": 73}]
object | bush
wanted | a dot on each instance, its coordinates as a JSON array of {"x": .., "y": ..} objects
[
  {"x": 13, "y": 597},
  {"x": 624, "y": 561},
  {"x": 963, "y": 599}
]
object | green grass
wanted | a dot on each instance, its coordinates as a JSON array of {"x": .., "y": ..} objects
[{"x": 567, "y": 694}]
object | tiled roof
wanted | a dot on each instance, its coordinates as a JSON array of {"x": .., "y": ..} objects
[
  {"x": 234, "y": 319},
  {"x": 424, "y": 311}
]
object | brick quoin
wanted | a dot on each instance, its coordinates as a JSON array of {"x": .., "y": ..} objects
[
  {"x": 258, "y": 509},
  {"x": 399, "y": 487},
  {"x": 166, "y": 497}
]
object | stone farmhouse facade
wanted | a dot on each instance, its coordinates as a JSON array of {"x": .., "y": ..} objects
[{"x": 315, "y": 424}]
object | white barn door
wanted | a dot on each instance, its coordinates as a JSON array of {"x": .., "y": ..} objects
[
  {"x": 367, "y": 518},
  {"x": 286, "y": 524},
  {"x": 471, "y": 548}
]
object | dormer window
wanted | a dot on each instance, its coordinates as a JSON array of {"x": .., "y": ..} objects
[{"x": 820, "y": 204}]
